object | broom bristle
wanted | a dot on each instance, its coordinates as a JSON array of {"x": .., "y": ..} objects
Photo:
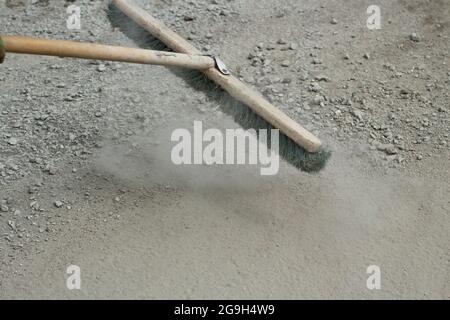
[{"x": 241, "y": 113}]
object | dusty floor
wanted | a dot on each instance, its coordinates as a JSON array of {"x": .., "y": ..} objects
[{"x": 96, "y": 138}]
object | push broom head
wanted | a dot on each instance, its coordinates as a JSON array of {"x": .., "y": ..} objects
[{"x": 243, "y": 115}]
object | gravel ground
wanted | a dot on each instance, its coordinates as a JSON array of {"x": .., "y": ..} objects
[{"x": 84, "y": 176}]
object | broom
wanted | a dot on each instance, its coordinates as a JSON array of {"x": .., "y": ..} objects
[
  {"x": 298, "y": 146},
  {"x": 249, "y": 109}
]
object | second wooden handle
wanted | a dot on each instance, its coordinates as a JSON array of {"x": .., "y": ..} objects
[{"x": 61, "y": 48}]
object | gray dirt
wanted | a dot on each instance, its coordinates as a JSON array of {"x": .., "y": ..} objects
[{"x": 85, "y": 177}]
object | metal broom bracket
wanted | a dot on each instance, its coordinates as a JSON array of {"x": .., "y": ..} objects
[{"x": 220, "y": 65}]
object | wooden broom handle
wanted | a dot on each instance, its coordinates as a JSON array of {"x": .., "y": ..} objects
[
  {"x": 60, "y": 48},
  {"x": 229, "y": 83}
]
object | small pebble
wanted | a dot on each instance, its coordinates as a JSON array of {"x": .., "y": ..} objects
[
  {"x": 414, "y": 37},
  {"x": 58, "y": 204}
]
